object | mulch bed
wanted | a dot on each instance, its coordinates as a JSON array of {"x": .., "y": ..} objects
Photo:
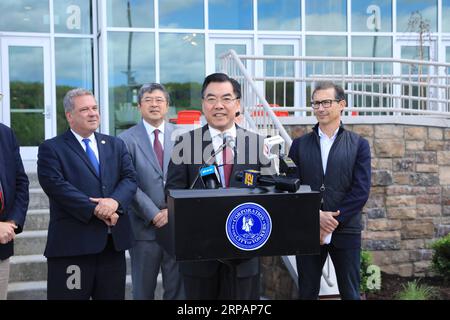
[{"x": 392, "y": 284}]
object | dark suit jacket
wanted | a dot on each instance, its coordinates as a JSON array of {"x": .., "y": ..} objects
[
  {"x": 14, "y": 183},
  {"x": 69, "y": 179},
  {"x": 180, "y": 176}
]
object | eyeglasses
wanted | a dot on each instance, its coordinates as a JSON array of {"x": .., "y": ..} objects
[
  {"x": 325, "y": 103},
  {"x": 226, "y": 101},
  {"x": 156, "y": 100}
]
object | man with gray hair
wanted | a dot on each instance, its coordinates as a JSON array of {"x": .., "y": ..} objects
[
  {"x": 150, "y": 145},
  {"x": 90, "y": 181}
]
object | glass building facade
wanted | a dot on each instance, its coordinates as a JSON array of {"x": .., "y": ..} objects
[{"x": 114, "y": 46}]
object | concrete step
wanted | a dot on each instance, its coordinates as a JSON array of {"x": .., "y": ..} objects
[
  {"x": 30, "y": 243},
  {"x": 34, "y": 268},
  {"x": 34, "y": 182},
  {"x": 38, "y": 199},
  {"x": 37, "y": 290},
  {"x": 37, "y": 219}
]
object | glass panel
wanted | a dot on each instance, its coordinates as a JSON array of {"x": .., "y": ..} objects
[
  {"x": 326, "y": 15},
  {"x": 74, "y": 69},
  {"x": 24, "y": 15},
  {"x": 279, "y": 92},
  {"x": 416, "y": 16},
  {"x": 372, "y": 15},
  {"x": 182, "y": 74},
  {"x": 372, "y": 47},
  {"x": 231, "y": 14},
  {"x": 279, "y": 15},
  {"x": 181, "y": 14},
  {"x": 73, "y": 16},
  {"x": 415, "y": 74},
  {"x": 446, "y": 15},
  {"x": 130, "y": 13},
  {"x": 222, "y": 48},
  {"x": 131, "y": 63},
  {"x": 26, "y": 76}
]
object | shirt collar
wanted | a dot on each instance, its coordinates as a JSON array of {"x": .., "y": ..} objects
[
  {"x": 151, "y": 128},
  {"x": 80, "y": 138},
  {"x": 323, "y": 135},
  {"x": 214, "y": 132}
]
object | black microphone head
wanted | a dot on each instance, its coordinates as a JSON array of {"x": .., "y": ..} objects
[
  {"x": 238, "y": 176},
  {"x": 210, "y": 177}
]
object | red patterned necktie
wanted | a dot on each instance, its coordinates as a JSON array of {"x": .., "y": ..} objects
[
  {"x": 227, "y": 165},
  {"x": 157, "y": 147}
]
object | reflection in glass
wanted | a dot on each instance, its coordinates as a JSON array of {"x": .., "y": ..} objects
[
  {"x": 26, "y": 76},
  {"x": 372, "y": 47},
  {"x": 326, "y": 15},
  {"x": 424, "y": 11},
  {"x": 130, "y": 13},
  {"x": 222, "y": 48},
  {"x": 24, "y": 15},
  {"x": 183, "y": 74},
  {"x": 446, "y": 16},
  {"x": 372, "y": 15},
  {"x": 131, "y": 63},
  {"x": 181, "y": 14},
  {"x": 231, "y": 14},
  {"x": 73, "y": 16},
  {"x": 279, "y": 15},
  {"x": 279, "y": 92},
  {"x": 74, "y": 69}
]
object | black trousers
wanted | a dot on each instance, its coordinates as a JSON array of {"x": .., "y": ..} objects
[
  {"x": 98, "y": 276},
  {"x": 223, "y": 285}
]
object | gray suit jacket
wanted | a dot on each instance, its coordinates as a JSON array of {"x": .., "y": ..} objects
[{"x": 149, "y": 198}]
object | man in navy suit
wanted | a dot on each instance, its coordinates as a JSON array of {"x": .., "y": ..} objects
[
  {"x": 335, "y": 162},
  {"x": 13, "y": 200},
  {"x": 90, "y": 181}
]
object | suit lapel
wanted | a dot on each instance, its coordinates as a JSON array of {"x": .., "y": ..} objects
[
  {"x": 168, "y": 145},
  {"x": 102, "y": 153},
  {"x": 144, "y": 143},
  {"x": 73, "y": 143}
]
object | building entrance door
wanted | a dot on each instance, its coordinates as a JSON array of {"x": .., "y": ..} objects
[{"x": 27, "y": 105}]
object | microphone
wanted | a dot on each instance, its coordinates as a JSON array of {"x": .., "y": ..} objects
[
  {"x": 230, "y": 141},
  {"x": 210, "y": 177},
  {"x": 253, "y": 178}
]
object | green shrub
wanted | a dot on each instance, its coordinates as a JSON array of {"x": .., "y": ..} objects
[
  {"x": 415, "y": 291},
  {"x": 370, "y": 274},
  {"x": 440, "y": 262}
]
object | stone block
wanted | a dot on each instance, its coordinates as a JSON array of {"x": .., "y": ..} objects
[
  {"x": 426, "y": 157},
  {"x": 384, "y": 225},
  {"x": 415, "y": 133},
  {"x": 443, "y": 158},
  {"x": 403, "y": 165},
  {"x": 447, "y": 134},
  {"x": 428, "y": 199},
  {"x": 382, "y": 164},
  {"x": 426, "y": 179},
  {"x": 366, "y": 131},
  {"x": 403, "y": 270},
  {"x": 422, "y": 267},
  {"x": 389, "y": 131},
  {"x": 435, "y": 133},
  {"x": 381, "y": 235},
  {"x": 421, "y": 167},
  {"x": 403, "y": 213},
  {"x": 375, "y": 213},
  {"x": 389, "y": 244},
  {"x": 414, "y": 145},
  {"x": 417, "y": 230},
  {"x": 434, "y": 145},
  {"x": 401, "y": 178},
  {"x": 413, "y": 244},
  {"x": 375, "y": 201},
  {"x": 400, "y": 201},
  {"x": 420, "y": 254},
  {"x": 443, "y": 230},
  {"x": 444, "y": 175},
  {"x": 389, "y": 148},
  {"x": 381, "y": 178},
  {"x": 428, "y": 210}
]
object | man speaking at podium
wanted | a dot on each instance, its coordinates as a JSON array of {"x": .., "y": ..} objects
[{"x": 230, "y": 148}]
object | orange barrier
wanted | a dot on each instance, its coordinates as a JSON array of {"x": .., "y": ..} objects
[{"x": 189, "y": 116}]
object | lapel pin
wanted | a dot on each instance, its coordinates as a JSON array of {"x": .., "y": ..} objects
[{"x": 103, "y": 141}]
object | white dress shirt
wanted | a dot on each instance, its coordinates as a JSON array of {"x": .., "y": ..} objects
[
  {"x": 325, "y": 146},
  {"x": 217, "y": 140},
  {"x": 151, "y": 132}
]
